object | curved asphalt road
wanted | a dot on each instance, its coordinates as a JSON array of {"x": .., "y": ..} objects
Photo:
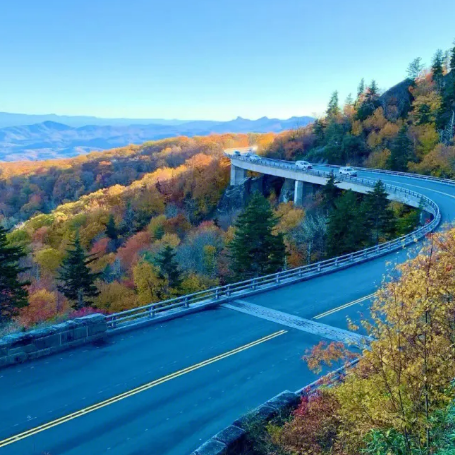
[{"x": 201, "y": 372}]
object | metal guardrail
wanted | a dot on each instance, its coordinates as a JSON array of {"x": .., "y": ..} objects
[
  {"x": 401, "y": 174},
  {"x": 228, "y": 292}
]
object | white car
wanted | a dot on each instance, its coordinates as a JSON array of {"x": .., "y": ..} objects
[
  {"x": 303, "y": 165},
  {"x": 252, "y": 156},
  {"x": 349, "y": 171}
]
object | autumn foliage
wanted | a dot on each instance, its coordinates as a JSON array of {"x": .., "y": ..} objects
[
  {"x": 398, "y": 398},
  {"x": 126, "y": 207}
]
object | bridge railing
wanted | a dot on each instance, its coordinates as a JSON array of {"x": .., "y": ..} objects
[
  {"x": 401, "y": 174},
  {"x": 236, "y": 290}
]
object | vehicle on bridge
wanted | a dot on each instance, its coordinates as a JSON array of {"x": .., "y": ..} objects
[
  {"x": 349, "y": 171},
  {"x": 237, "y": 153},
  {"x": 303, "y": 165},
  {"x": 252, "y": 156}
]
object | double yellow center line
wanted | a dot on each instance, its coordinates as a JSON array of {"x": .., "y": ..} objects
[
  {"x": 130, "y": 393},
  {"x": 346, "y": 305}
]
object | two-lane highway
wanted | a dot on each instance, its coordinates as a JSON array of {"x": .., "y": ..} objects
[
  {"x": 195, "y": 375},
  {"x": 164, "y": 389}
]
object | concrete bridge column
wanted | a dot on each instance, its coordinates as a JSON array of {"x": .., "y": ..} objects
[
  {"x": 238, "y": 175},
  {"x": 298, "y": 193},
  {"x": 287, "y": 191}
]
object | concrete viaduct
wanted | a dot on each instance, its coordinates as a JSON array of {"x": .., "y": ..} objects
[{"x": 302, "y": 181}]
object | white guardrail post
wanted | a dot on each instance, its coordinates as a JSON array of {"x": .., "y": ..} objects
[{"x": 151, "y": 311}]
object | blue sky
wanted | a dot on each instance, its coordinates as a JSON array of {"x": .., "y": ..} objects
[{"x": 207, "y": 59}]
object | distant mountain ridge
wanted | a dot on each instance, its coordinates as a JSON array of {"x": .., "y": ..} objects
[
  {"x": 16, "y": 119},
  {"x": 50, "y": 139}
]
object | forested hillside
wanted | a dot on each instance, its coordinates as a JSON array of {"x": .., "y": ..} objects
[
  {"x": 28, "y": 188},
  {"x": 410, "y": 127},
  {"x": 139, "y": 223}
]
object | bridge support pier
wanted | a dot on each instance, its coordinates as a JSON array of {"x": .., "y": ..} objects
[
  {"x": 298, "y": 193},
  {"x": 287, "y": 190},
  {"x": 238, "y": 175}
]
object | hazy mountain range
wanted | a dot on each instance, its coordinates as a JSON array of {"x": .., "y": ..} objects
[
  {"x": 52, "y": 139},
  {"x": 13, "y": 119}
]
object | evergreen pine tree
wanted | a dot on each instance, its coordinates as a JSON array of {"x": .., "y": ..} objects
[
  {"x": 361, "y": 88},
  {"x": 446, "y": 112},
  {"x": 168, "y": 266},
  {"x": 379, "y": 218},
  {"x": 334, "y": 134},
  {"x": 348, "y": 108},
  {"x": 13, "y": 291},
  {"x": 318, "y": 130},
  {"x": 424, "y": 115},
  {"x": 333, "y": 109},
  {"x": 373, "y": 91},
  {"x": 346, "y": 229},
  {"x": 128, "y": 224},
  {"x": 255, "y": 249},
  {"x": 401, "y": 151},
  {"x": 330, "y": 193},
  {"x": 349, "y": 100},
  {"x": 445, "y": 118},
  {"x": 414, "y": 69},
  {"x": 369, "y": 103},
  {"x": 111, "y": 228},
  {"x": 77, "y": 279},
  {"x": 113, "y": 233},
  {"x": 437, "y": 68}
]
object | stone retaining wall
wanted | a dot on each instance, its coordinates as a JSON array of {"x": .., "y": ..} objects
[
  {"x": 233, "y": 439},
  {"x": 20, "y": 347}
]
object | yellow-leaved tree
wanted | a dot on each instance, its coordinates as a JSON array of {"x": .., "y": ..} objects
[
  {"x": 395, "y": 400},
  {"x": 149, "y": 286},
  {"x": 115, "y": 297}
]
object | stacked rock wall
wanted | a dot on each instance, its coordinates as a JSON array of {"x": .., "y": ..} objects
[{"x": 19, "y": 347}]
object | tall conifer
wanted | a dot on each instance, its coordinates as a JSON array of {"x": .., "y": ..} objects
[
  {"x": 256, "y": 250},
  {"x": 13, "y": 291},
  {"x": 379, "y": 218},
  {"x": 346, "y": 226},
  {"x": 401, "y": 151},
  {"x": 168, "y": 266},
  {"x": 76, "y": 278}
]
